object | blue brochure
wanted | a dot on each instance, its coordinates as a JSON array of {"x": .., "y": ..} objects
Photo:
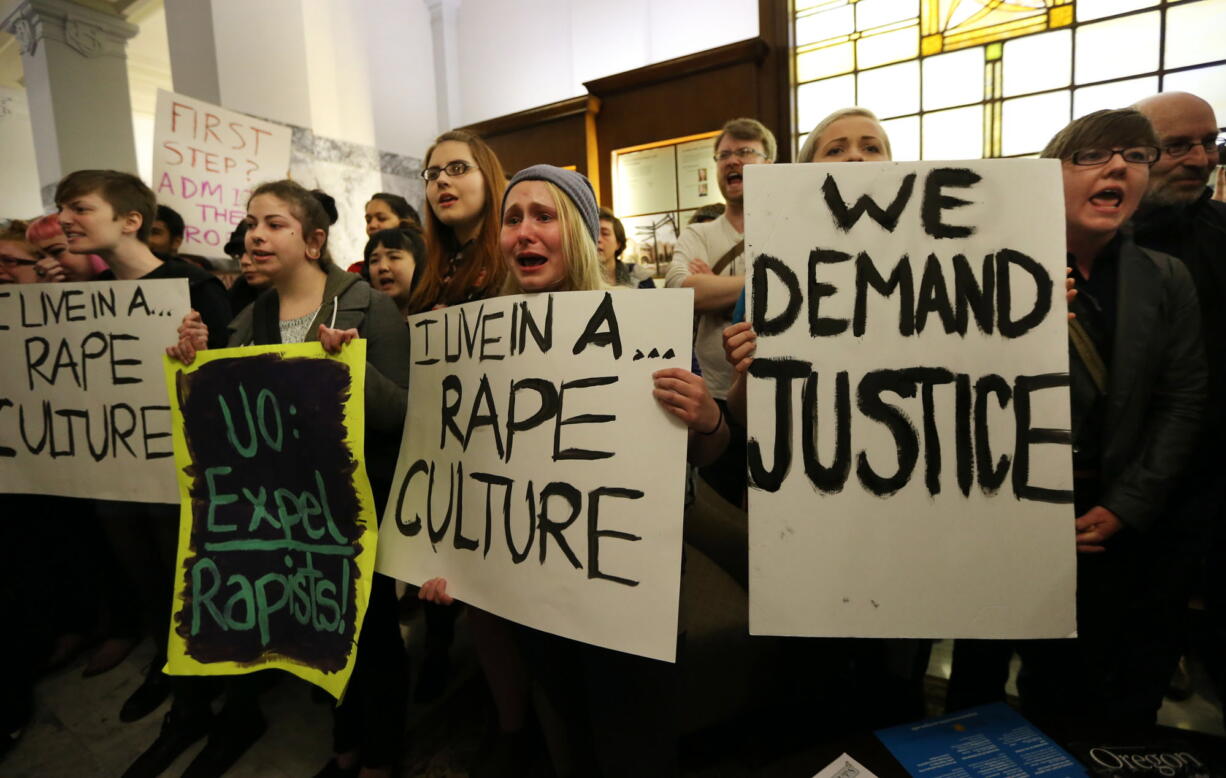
[{"x": 990, "y": 741}]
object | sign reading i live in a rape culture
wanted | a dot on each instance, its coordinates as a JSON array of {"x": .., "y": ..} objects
[
  {"x": 206, "y": 160},
  {"x": 909, "y": 448},
  {"x": 277, "y": 527},
  {"x": 83, "y": 408},
  {"x": 537, "y": 473}
]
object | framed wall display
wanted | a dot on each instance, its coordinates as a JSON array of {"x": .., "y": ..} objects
[{"x": 656, "y": 188}]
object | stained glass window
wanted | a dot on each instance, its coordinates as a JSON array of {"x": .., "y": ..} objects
[{"x": 963, "y": 79}]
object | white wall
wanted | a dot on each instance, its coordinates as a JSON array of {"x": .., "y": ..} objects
[
  {"x": 261, "y": 59},
  {"x": 19, "y": 189},
  {"x": 401, "y": 76},
  {"x": 515, "y": 56},
  {"x": 356, "y": 70},
  {"x": 338, "y": 72}
]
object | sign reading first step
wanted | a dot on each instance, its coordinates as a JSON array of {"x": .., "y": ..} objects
[
  {"x": 206, "y": 161},
  {"x": 909, "y": 448}
]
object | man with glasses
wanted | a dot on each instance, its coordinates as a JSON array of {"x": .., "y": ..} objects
[
  {"x": 709, "y": 258},
  {"x": 1180, "y": 217}
]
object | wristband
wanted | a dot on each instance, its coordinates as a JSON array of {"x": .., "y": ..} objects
[{"x": 718, "y": 422}]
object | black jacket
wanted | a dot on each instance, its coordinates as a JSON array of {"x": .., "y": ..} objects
[
  {"x": 207, "y": 293},
  {"x": 1196, "y": 234},
  {"x": 1155, "y": 387}
]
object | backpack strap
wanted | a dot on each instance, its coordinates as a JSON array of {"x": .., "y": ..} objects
[
  {"x": 1089, "y": 355},
  {"x": 722, "y": 263}
]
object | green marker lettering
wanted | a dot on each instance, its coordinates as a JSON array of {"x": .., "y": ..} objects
[
  {"x": 205, "y": 598},
  {"x": 216, "y": 499}
]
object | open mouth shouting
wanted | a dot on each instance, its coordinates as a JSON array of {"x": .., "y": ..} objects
[
  {"x": 1109, "y": 198},
  {"x": 529, "y": 260}
]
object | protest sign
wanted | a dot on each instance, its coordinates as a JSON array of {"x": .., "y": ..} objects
[
  {"x": 206, "y": 160},
  {"x": 909, "y": 446},
  {"x": 277, "y": 529},
  {"x": 83, "y": 408},
  {"x": 537, "y": 473}
]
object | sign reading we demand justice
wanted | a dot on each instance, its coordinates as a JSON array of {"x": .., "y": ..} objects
[
  {"x": 538, "y": 474},
  {"x": 908, "y": 408},
  {"x": 83, "y": 409},
  {"x": 206, "y": 160}
]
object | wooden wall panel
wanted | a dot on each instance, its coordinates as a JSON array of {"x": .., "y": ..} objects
[
  {"x": 553, "y": 134},
  {"x": 685, "y": 96}
]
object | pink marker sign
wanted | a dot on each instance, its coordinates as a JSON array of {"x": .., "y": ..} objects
[{"x": 206, "y": 161}]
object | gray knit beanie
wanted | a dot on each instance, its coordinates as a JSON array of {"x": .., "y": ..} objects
[{"x": 575, "y": 185}]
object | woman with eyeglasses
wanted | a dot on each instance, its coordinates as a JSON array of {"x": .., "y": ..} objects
[
  {"x": 464, "y": 184},
  {"x": 462, "y": 263},
  {"x": 18, "y": 257},
  {"x": 1137, "y": 381}
]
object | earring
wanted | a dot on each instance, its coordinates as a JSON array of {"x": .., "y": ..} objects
[{"x": 312, "y": 254}]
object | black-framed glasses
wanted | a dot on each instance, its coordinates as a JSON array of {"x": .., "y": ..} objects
[
  {"x": 11, "y": 261},
  {"x": 744, "y": 152},
  {"x": 452, "y": 169},
  {"x": 1183, "y": 148},
  {"x": 1133, "y": 155}
]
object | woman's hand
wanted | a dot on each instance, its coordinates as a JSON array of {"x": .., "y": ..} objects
[
  {"x": 332, "y": 340},
  {"x": 435, "y": 591},
  {"x": 1070, "y": 293},
  {"x": 685, "y": 396},
  {"x": 193, "y": 337},
  {"x": 740, "y": 343},
  {"x": 50, "y": 271}
]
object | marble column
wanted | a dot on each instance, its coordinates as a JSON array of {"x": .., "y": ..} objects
[
  {"x": 446, "y": 62},
  {"x": 193, "y": 49},
  {"x": 76, "y": 81}
]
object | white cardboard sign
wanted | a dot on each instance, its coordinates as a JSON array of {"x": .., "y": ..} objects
[
  {"x": 206, "y": 160},
  {"x": 83, "y": 403},
  {"x": 909, "y": 407},
  {"x": 537, "y": 473}
]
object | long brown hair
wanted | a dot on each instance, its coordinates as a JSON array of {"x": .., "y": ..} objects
[{"x": 482, "y": 272}]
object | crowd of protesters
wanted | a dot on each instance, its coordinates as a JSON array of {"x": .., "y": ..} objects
[{"x": 1146, "y": 243}]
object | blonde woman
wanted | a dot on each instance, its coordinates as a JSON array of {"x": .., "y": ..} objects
[{"x": 618, "y": 707}]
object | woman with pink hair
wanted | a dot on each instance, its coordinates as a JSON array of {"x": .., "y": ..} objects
[{"x": 58, "y": 263}]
